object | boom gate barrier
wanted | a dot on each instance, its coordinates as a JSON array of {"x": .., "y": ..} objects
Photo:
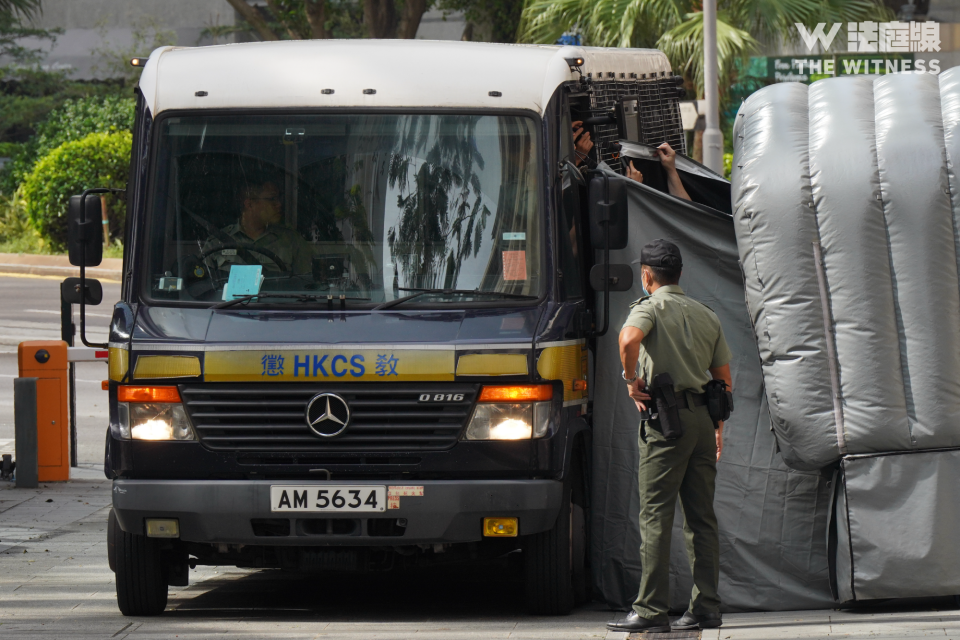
[{"x": 42, "y": 415}]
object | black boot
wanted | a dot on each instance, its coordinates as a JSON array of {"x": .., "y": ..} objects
[
  {"x": 702, "y": 621},
  {"x": 634, "y": 623}
]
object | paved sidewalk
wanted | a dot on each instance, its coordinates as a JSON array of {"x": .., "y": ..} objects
[
  {"x": 929, "y": 619},
  {"x": 55, "y": 583},
  {"x": 59, "y": 266}
]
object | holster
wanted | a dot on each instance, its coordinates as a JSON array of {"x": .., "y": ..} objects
[
  {"x": 664, "y": 398},
  {"x": 719, "y": 401}
]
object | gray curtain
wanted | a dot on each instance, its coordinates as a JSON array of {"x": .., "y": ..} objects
[{"x": 773, "y": 519}]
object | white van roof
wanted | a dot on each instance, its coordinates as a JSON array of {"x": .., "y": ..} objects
[{"x": 377, "y": 73}]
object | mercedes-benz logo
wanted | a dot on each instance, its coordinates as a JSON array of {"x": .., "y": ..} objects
[{"x": 327, "y": 415}]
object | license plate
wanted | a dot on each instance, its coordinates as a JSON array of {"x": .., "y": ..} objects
[{"x": 328, "y": 498}]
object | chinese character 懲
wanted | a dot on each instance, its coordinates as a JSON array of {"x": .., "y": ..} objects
[
  {"x": 862, "y": 36},
  {"x": 272, "y": 365},
  {"x": 894, "y": 36},
  {"x": 387, "y": 365},
  {"x": 925, "y": 36}
]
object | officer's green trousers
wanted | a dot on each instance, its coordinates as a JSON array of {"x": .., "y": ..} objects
[{"x": 686, "y": 466}]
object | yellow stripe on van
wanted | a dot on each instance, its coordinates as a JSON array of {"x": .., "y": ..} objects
[
  {"x": 166, "y": 367},
  {"x": 329, "y": 365},
  {"x": 492, "y": 364},
  {"x": 118, "y": 360},
  {"x": 566, "y": 363}
]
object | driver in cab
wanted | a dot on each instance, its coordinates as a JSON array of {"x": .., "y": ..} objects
[{"x": 260, "y": 228}]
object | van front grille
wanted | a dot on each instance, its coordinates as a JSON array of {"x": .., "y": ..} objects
[{"x": 383, "y": 417}]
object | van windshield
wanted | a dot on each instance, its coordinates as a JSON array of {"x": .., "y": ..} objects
[{"x": 369, "y": 207}]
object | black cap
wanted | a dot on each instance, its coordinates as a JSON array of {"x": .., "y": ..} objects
[{"x": 661, "y": 253}]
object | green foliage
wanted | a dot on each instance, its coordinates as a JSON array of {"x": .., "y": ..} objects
[
  {"x": 115, "y": 61},
  {"x": 74, "y": 120},
  {"x": 98, "y": 160},
  {"x": 727, "y": 165},
  {"x": 114, "y": 249},
  {"x": 676, "y": 26},
  {"x": 345, "y": 19},
  {"x": 25, "y": 8},
  {"x": 28, "y": 91},
  {"x": 502, "y": 16},
  {"x": 17, "y": 235}
]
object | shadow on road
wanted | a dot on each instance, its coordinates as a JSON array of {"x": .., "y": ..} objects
[{"x": 476, "y": 591}]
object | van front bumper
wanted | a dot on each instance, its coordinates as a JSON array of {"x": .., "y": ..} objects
[{"x": 222, "y": 511}]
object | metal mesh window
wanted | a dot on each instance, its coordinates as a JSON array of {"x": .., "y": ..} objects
[{"x": 659, "y": 109}]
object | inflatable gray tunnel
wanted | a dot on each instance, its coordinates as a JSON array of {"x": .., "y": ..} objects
[{"x": 846, "y": 209}]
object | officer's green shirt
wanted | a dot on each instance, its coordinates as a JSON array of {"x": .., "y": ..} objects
[
  {"x": 680, "y": 336},
  {"x": 278, "y": 239}
]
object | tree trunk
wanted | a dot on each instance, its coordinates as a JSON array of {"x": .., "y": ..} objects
[
  {"x": 380, "y": 18},
  {"x": 698, "y": 146},
  {"x": 410, "y": 21},
  {"x": 275, "y": 10},
  {"x": 253, "y": 18},
  {"x": 467, "y": 34},
  {"x": 317, "y": 17}
]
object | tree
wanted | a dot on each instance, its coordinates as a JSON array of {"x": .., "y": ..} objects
[
  {"x": 98, "y": 160},
  {"x": 315, "y": 19},
  {"x": 19, "y": 8},
  {"x": 148, "y": 34},
  {"x": 676, "y": 26},
  {"x": 74, "y": 120},
  {"x": 500, "y": 17}
]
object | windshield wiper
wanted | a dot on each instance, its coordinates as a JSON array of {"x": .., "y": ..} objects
[
  {"x": 300, "y": 297},
  {"x": 421, "y": 292}
]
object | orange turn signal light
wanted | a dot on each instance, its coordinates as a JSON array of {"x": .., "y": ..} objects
[
  {"x": 517, "y": 393},
  {"x": 147, "y": 394},
  {"x": 579, "y": 385},
  {"x": 105, "y": 385}
]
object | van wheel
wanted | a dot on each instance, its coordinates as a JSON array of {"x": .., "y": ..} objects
[
  {"x": 555, "y": 561},
  {"x": 141, "y": 585}
]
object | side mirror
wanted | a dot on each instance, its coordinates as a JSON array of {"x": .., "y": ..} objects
[
  {"x": 85, "y": 238},
  {"x": 621, "y": 277},
  {"x": 70, "y": 291},
  {"x": 608, "y": 207}
]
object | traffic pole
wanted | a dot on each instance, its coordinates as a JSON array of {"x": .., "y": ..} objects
[{"x": 712, "y": 136}]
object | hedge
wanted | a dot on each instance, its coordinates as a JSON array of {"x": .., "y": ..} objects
[
  {"x": 98, "y": 160},
  {"x": 74, "y": 120}
]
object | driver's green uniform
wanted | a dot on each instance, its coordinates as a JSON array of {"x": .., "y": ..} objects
[{"x": 280, "y": 240}]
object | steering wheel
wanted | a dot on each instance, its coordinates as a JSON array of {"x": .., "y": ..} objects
[{"x": 241, "y": 250}]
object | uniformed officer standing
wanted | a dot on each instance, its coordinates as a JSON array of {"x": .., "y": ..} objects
[{"x": 667, "y": 332}]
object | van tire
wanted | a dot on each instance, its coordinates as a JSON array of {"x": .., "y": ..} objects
[
  {"x": 555, "y": 576},
  {"x": 141, "y": 585}
]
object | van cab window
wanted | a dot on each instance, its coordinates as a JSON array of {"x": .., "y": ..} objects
[{"x": 367, "y": 206}]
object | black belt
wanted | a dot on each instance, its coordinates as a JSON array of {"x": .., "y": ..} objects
[{"x": 695, "y": 399}]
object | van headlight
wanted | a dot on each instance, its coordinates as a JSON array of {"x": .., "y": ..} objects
[
  {"x": 497, "y": 418},
  {"x": 144, "y": 420}
]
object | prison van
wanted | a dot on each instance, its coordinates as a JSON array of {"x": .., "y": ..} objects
[{"x": 362, "y": 283}]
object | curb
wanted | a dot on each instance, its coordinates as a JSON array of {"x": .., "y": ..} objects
[{"x": 111, "y": 269}]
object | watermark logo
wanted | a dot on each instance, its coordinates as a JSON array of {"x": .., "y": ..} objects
[
  {"x": 893, "y": 37},
  {"x": 878, "y": 37},
  {"x": 810, "y": 38}
]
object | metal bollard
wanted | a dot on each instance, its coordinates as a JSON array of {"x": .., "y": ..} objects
[{"x": 25, "y": 426}]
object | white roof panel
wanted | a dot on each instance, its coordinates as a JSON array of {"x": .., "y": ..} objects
[{"x": 403, "y": 73}]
